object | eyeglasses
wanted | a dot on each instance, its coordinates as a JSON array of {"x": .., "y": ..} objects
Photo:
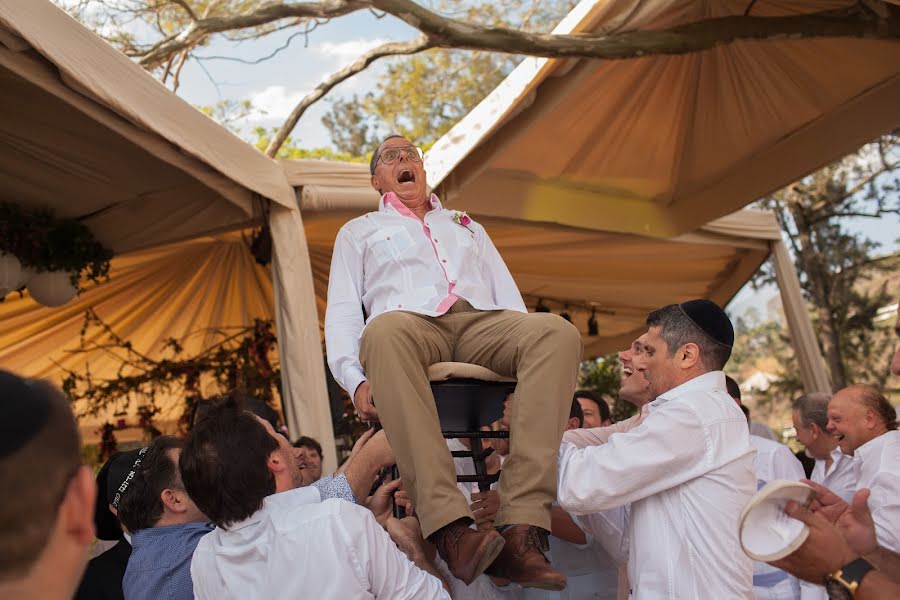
[{"x": 390, "y": 155}]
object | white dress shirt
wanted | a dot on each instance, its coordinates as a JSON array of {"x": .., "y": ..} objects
[
  {"x": 774, "y": 461},
  {"x": 298, "y": 547},
  {"x": 687, "y": 471},
  {"x": 390, "y": 260},
  {"x": 842, "y": 479},
  {"x": 879, "y": 471}
]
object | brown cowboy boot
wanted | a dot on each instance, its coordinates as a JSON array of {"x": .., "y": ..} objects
[
  {"x": 466, "y": 551},
  {"x": 521, "y": 561}
]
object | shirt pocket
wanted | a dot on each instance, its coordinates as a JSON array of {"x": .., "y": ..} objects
[{"x": 389, "y": 243}]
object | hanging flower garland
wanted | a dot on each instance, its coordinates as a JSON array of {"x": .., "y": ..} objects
[{"x": 45, "y": 253}]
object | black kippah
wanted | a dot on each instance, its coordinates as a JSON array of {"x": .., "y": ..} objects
[
  {"x": 23, "y": 412},
  {"x": 123, "y": 468},
  {"x": 710, "y": 319}
]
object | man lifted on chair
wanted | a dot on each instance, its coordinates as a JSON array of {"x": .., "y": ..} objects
[{"x": 435, "y": 290}]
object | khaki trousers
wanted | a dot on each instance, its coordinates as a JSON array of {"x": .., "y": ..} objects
[{"x": 541, "y": 350}]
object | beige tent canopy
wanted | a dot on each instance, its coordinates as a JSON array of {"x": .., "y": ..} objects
[
  {"x": 661, "y": 145},
  {"x": 90, "y": 134},
  {"x": 194, "y": 287}
]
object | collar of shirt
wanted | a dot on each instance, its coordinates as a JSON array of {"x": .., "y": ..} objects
[
  {"x": 390, "y": 202},
  {"x": 873, "y": 446},
  {"x": 712, "y": 380},
  {"x": 301, "y": 495},
  {"x": 143, "y": 536},
  {"x": 837, "y": 457},
  {"x": 127, "y": 537}
]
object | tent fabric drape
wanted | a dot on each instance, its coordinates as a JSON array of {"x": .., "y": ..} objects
[
  {"x": 101, "y": 73},
  {"x": 193, "y": 292},
  {"x": 299, "y": 343},
  {"x": 660, "y": 145},
  {"x": 803, "y": 338}
]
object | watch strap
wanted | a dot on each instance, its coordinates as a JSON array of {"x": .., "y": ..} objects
[{"x": 851, "y": 574}]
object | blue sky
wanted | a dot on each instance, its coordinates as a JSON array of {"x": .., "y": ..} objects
[{"x": 276, "y": 85}]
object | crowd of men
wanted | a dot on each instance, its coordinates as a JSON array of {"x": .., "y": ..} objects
[{"x": 646, "y": 507}]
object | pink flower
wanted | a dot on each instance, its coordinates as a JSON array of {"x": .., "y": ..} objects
[{"x": 461, "y": 218}]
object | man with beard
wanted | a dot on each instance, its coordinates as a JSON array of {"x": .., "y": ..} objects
[{"x": 687, "y": 469}]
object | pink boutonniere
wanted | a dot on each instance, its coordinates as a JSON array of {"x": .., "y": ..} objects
[{"x": 461, "y": 218}]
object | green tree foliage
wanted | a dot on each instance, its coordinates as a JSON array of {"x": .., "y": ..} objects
[
  {"x": 839, "y": 269},
  {"x": 290, "y": 149},
  {"x": 352, "y": 130}
]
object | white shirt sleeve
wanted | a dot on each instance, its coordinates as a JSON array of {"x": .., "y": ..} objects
[
  {"x": 344, "y": 315},
  {"x": 388, "y": 573},
  {"x": 786, "y": 466},
  {"x": 608, "y": 529},
  {"x": 884, "y": 504},
  {"x": 504, "y": 288},
  {"x": 666, "y": 450}
]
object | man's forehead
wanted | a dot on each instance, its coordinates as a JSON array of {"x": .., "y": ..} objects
[{"x": 397, "y": 142}]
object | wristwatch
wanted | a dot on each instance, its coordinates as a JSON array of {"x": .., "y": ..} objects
[{"x": 842, "y": 584}]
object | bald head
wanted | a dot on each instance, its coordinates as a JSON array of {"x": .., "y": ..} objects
[{"x": 858, "y": 414}]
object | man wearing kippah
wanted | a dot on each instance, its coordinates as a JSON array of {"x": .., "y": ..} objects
[
  {"x": 103, "y": 577},
  {"x": 46, "y": 515},
  {"x": 687, "y": 470}
]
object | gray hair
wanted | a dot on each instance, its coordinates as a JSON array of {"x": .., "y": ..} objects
[
  {"x": 813, "y": 408},
  {"x": 373, "y": 162},
  {"x": 677, "y": 329}
]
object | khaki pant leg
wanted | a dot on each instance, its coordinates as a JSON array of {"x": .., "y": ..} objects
[
  {"x": 542, "y": 351},
  {"x": 395, "y": 351}
]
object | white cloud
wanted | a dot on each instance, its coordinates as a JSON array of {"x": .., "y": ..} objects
[
  {"x": 346, "y": 52},
  {"x": 276, "y": 101}
]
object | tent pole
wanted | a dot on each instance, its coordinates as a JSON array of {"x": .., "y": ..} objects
[
  {"x": 803, "y": 338},
  {"x": 303, "y": 388}
]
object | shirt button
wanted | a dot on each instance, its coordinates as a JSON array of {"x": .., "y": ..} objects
[
  {"x": 399, "y": 306},
  {"x": 444, "y": 261},
  {"x": 388, "y": 237},
  {"x": 435, "y": 241}
]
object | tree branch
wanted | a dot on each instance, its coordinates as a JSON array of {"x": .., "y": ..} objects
[
  {"x": 390, "y": 49},
  {"x": 703, "y": 35},
  {"x": 187, "y": 8},
  {"x": 265, "y": 14}
]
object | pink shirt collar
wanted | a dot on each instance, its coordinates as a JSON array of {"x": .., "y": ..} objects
[{"x": 391, "y": 200}]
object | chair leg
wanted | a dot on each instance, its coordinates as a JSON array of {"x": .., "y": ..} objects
[{"x": 399, "y": 512}]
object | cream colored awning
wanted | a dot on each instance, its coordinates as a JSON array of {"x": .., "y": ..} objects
[
  {"x": 661, "y": 145},
  {"x": 192, "y": 289},
  {"x": 89, "y": 133}
]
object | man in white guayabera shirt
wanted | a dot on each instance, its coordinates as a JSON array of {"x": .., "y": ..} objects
[
  {"x": 414, "y": 284},
  {"x": 687, "y": 469}
]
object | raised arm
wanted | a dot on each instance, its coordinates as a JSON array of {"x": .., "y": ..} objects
[{"x": 666, "y": 450}]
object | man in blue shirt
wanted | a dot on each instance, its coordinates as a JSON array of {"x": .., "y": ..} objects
[{"x": 165, "y": 526}]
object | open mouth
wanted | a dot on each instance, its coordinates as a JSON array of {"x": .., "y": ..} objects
[
  {"x": 406, "y": 176},
  {"x": 627, "y": 371}
]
